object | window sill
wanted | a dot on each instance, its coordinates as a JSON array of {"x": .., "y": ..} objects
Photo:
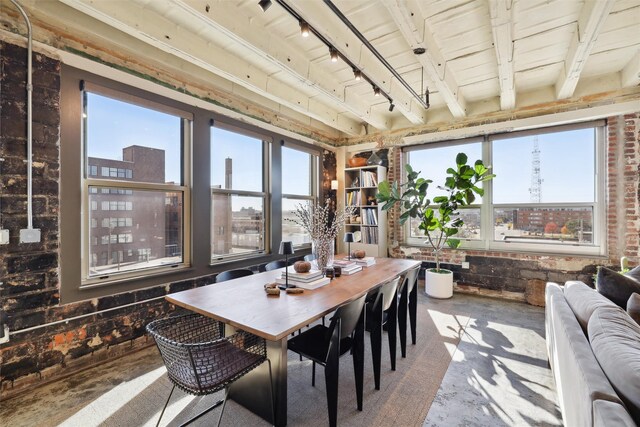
[
  {"x": 132, "y": 277},
  {"x": 533, "y": 252}
]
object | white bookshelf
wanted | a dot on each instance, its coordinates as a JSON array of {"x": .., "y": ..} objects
[{"x": 360, "y": 187}]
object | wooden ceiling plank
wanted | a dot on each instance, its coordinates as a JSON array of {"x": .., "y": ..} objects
[
  {"x": 593, "y": 15},
  {"x": 416, "y": 32},
  {"x": 276, "y": 50},
  {"x": 502, "y": 29},
  {"x": 192, "y": 48},
  {"x": 630, "y": 74}
]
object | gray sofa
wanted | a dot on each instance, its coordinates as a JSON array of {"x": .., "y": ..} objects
[{"x": 583, "y": 327}]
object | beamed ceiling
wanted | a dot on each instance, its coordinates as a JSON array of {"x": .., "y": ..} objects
[{"x": 481, "y": 56}]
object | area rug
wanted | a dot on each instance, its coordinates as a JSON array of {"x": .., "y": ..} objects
[{"x": 132, "y": 390}]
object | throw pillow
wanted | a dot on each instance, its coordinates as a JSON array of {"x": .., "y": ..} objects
[
  {"x": 633, "y": 307},
  {"x": 615, "y": 286},
  {"x": 584, "y": 300},
  {"x": 615, "y": 341}
]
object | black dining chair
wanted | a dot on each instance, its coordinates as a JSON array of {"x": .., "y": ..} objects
[
  {"x": 408, "y": 300},
  {"x": 325, "y": 345},
  {"x": 200, "y": 360},
  {"x": 382, "y": 309},
  {"x": 232, "y": 274},
  {"x": 274, "y": 265}
]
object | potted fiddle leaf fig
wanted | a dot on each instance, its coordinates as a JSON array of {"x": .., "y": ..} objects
[{"x": 439, "y": 218}]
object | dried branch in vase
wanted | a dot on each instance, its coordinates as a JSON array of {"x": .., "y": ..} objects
[{"x": 319, "y": 221}]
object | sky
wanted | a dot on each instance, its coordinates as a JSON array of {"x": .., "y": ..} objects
[
  {"x": 113, "y": 125},
  {"x": 567, "y": 166}
]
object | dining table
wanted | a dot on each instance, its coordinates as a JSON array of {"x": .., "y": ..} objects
[{"x": 243, "y": 304}]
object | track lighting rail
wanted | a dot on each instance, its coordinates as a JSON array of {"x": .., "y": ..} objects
[{"x": 335, "y": 53}]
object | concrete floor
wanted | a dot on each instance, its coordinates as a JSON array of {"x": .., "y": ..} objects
[{"x": 498, "y": 375}]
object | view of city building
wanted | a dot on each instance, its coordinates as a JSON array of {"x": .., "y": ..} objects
[{"x": 132, "y": 227}]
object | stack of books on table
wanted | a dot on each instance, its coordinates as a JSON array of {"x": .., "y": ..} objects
[
  {"x": 348, "y": 267},
  {"x": 365, "y": 262},
  {"x": 311, "y": 280}
]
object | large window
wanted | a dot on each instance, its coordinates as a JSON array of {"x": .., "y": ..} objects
[
  {"x": 133, "y": 162},
  {"x": 299, "y": 187},
  {"x": 238, "y": 196},
  {"x": 547, "y": 194}
]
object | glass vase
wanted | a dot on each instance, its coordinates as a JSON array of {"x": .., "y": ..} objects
[{"x": 323, "y": 250}]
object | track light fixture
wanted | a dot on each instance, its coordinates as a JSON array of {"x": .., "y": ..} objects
[
  {"x": 304, "y": 29},
  {"x": 333, "y": 52},
  {"x": 264, "y": 4}
]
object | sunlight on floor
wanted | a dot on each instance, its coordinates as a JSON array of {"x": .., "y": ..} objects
[{"x": 116, "y": 398}]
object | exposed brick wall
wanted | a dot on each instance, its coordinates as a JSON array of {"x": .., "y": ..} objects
[{"x": 507, "y": 274}]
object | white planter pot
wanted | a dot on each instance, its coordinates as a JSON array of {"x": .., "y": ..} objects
[{"x": 438, "y": 285}]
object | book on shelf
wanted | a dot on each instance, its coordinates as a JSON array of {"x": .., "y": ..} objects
[
  {"x": 370, "y": 216},
  {"x": 369, "y": 179},
  {"x": 313, "y": 284},
  {"x": 303, "y": 277}
]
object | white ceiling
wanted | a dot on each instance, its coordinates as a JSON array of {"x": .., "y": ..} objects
[{"x": 481, "y": 56}]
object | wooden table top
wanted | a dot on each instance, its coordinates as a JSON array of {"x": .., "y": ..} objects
[{"x": 244, "y": 304}]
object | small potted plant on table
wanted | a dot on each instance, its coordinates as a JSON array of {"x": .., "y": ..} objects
[{"x": 439, "y": 218}]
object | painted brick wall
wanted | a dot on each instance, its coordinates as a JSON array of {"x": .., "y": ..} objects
[{"x": 507, "y": 274}]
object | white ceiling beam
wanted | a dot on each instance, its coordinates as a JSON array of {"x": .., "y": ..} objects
[
  {"x": 630, "y": 74},
  {"x": 593, "y": 15},
  {"x": 416, "y": 31},
  {"x": 136, "y": 21},
  {"x": 279, "y": 52},
  {"x": 501, "y": 27},
  {"x": 316, "y": 13}
]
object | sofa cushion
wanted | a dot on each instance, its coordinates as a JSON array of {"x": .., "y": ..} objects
[
  {"x": 615, "y": 286},
  {"x": 579, "y": 378},
  {"x": 584, "y": 300},
  {"x": 615, "y": 341},
  {"x": 633, "y": 307},
  {"x": 610, "y": 414}
]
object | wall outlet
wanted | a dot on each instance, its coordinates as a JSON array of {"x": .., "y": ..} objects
[
  {"x": 4, "y": 237},
  {"x": 465, "y": 265},
  {"x": 30, "y": 235}
]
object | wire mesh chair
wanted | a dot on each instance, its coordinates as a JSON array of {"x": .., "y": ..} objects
[{"x": 200, "y": 360}]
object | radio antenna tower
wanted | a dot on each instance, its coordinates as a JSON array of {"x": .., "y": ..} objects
[{"x": 536, "y": 180}]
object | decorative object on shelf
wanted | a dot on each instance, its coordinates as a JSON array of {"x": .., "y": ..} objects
[
  {"x": 334, "y": 184},
  {"x": 348, "y": 239},
  {"x": 286, "y": 249},
  {"x": 356, "y": 162},
  {"x": 302, "y": 266},
  {"x": 374, "y": 160},
  {"x": 323, "y": 226},
  {"x": 371, "y": 201},
  {"x": 439, "y": 222},
  {"x": 359, "y": 254}
]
